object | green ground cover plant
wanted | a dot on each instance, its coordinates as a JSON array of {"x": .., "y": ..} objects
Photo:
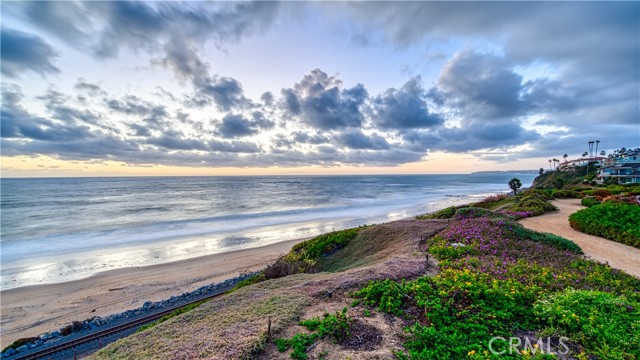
[
  {"x": 535, "y": 202},
  {"x": 332, "y": 326},
  {"x": 446, "y": 213},
  {"x": 589, "y": 201},
  {"x": 496, "y": 279},
  {"x": 303, "y": 256},
  {"x": 608, "y": 322},
  {"x": 616, "y": 221}
]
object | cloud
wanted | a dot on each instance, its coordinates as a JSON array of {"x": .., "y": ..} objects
[
  {"x": 226, "y": 92},
  {"x": 235, "y": 125},
  {"x": 83, "y": 85},
  {"x": 133, "y": 105},
  {"x": 173, "y": 140},
  {"x": 589, "y": 52},
  {"x": 405, "y": 108},
  {"x": 107, "y": 27},
  {"x": 481, "y": 86},
  {"x": 171, "y": 29},
  {"x": 22, "y": 52},
  {"x": 358, "y": 140},
  {"x": 321, "y": 102},
  {"x": 18, "y": 123}
]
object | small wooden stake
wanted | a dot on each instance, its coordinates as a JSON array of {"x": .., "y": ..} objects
[{"x": 269, "y": 330}]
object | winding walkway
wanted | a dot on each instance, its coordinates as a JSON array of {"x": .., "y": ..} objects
[{"x": 618, "y": 255}]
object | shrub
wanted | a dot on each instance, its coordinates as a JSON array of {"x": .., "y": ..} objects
[
  {"x": 589, "y": 202},
  {"x": 495, "y": 198},
  {"x": 23, "y": 341},
  {"x": 629, "y": 199},
  {"x": 536, "y": 203},
  {"x": 446, "y": 213},
  {"x": 547, "y": 238},
  {"x": 335, "y": 327},
  {"x": 565, "y": 194},
  {"x": 601, "y": 192},
  {"x": 607, "y": 325},
  {"x": 324, "y": 244},
  {"x": 303, "y": 256},
  {"x": 539, "y": 194},
  {"x": 615, "y": 221}
]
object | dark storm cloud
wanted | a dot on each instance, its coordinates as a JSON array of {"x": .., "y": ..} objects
[
  {"x": 405, "y": 108},
  {"x": 23, "y": 52},
  {"x": 321, "y": 102},
  {"x": 235, "y": 125}
]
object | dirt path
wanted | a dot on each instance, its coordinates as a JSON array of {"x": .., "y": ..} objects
[{"x": 618, "y": 255}]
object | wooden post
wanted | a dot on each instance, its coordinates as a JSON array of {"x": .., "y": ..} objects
[{"x": 269, "y": 329}]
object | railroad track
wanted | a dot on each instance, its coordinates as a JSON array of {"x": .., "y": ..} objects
[{"x": 68, "y": 347}]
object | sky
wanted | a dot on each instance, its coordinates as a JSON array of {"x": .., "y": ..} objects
[{"x": 262, "y": 88}]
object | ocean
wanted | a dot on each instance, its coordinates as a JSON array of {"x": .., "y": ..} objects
[{"x": 61, "y": 229}]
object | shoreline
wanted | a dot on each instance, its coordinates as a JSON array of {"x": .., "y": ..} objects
[{"x": 32, "y": 310}]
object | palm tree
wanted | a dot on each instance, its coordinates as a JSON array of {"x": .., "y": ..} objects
[
  {"x": 584, "y": 154},
  {"x": 565, "y": 156},
  {"x": 515, "y": 184},
  {"x": 597, "y": 143},
  {"x": 541, "y": 171},
  {"x": 602, "y": 153},
  {"x": 550, "y": 165}
]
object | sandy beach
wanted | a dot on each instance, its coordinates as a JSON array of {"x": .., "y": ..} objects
[
  {"x": 618, "y": 255},
  {"x": 32, "y": 310}
]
